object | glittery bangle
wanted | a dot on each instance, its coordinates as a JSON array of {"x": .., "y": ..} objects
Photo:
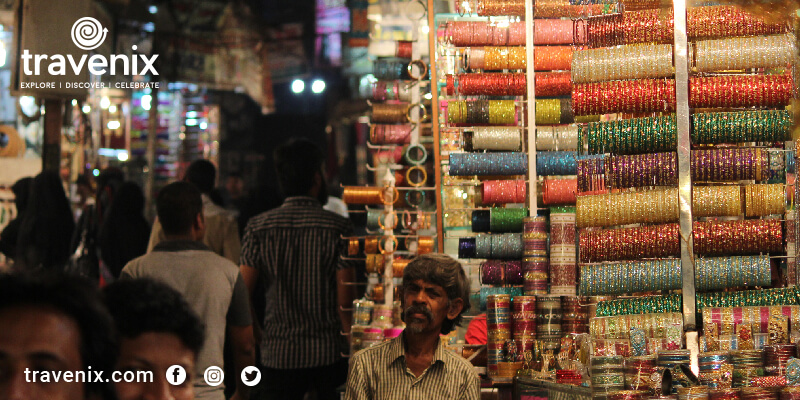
[
  {"x": 507, "y": 219},
  {"x": 501, "y": 163},
  {"x": 466, "y": 248},
  {"x": 480, "y": 221},
  {"x": 423, "y": 176}
]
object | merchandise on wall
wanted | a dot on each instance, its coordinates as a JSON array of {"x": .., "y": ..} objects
[
  {"x": 398, "y": 205},
  {"x": 571, "y": 166}
]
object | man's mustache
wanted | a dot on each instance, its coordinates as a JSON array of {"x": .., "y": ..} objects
[{"x": 418, "y": 309}]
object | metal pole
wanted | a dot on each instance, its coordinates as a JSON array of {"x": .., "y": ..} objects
[{"x": 530, "y": 129}]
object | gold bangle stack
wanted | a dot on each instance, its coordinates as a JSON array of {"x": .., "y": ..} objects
[
  {"x": 375, "y": 263},
  {"x": 762, "y": 200},
  {"x": 371, "y": 245},
  {"x": 362, "y": 195},
  {"x": 644, "y": 206},
  {"x": 425, "y": 245},
  {"x": 399, "y": 265},
  {"x": 717, "y": 201},
  {"x": 352, "y": 246}
]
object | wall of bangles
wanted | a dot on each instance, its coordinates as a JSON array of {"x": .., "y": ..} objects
[
  {"x": 561, "y": 188},
  {"x": 400, "y": 200}
]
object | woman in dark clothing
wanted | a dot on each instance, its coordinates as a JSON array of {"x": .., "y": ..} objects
[
  {"x": 125, "y": 232},
  {"x": 8, "y": 239},
  {"x": 46, "y": 226}
]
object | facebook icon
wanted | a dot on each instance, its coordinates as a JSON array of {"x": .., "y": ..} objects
[{"x": 176, "y": 375}]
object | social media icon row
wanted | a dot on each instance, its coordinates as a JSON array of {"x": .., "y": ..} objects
[{"x": 213, "y": 375}]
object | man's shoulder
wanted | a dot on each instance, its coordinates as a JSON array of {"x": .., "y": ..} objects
[
  {"x": 453, "y": 360},
  {"x": 373, "y": 353},
  {"x": 292, "y": 214}
]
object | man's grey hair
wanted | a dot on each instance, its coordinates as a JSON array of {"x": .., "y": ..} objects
[{"x": 445, "y": 271}]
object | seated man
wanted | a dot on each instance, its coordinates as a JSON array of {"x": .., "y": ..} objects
[
  {"x": 53, "y": 327},
  {"x": 157, "y": 330},
  {"x": 416, "y": 363}
]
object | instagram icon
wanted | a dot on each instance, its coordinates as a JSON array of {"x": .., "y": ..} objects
[{"x": 214, "y": 376}]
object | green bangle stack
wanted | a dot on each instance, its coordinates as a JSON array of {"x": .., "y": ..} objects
[
  {"x": 672, "y": 302},
  {"x": 742, "y": 126},
  {"x": 630, "y": 136}
]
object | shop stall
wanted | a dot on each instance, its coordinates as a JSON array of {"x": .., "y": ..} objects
[{"x": 587, "y": 150}]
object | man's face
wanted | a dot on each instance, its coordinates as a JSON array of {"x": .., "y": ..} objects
[
  {"x": 426, "y": 306},
  {"x": 37, "y": 340},
  {"x": 155, "y": 352}
]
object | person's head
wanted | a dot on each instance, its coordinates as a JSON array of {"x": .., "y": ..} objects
[
  {"x": 109, "y": 179},
  {"x": 21, "y": 190},
  {"x": 435, "y": 294},
  {"x": 157, "y": 329},
  {"x": 298, "y": 164},
  {"x": 50, "y": 324},
  {"x": 128, "y": 201},
  {"x": 203, "y": 174},
  {"x": 46, "y": 226},
  {"x": 234, "y": 184},
  {"x": 107, "y": 183},
  {"x": 180, "y": 211}
]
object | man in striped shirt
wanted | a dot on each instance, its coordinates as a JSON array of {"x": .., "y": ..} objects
[
  {"x": 292, "y": 264},
  {"x": 416, "y": 365}
]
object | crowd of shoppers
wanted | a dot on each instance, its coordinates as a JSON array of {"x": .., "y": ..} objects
[{"x": 173, "y": 295}]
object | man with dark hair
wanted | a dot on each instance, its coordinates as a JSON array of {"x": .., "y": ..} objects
[
  {"x": 291, "y": 262},
  {"x": 435, "y": 296},
  {"x": 209, "y": 282},
  {"x": 157, "y": 330},
  {"x": 53, "y": 324},
  {"x": 222, "y": 230}
]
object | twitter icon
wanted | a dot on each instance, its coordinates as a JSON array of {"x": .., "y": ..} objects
[{"x": 251, "y": 376}]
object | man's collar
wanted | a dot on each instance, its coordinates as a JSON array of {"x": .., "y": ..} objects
[
  {"x": 397, "y": 349},
  {"x": 301, "y": 201},
  {"x": 180, "y": 245}
]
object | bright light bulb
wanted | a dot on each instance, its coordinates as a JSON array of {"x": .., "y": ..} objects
[
  {"x": 86, "y": 109},
  {"x": 113, "y": 125},
  {"x": 122, "y": 156},
  {"x": 26, "y": 101},
  {"x": 112, "y": 109},
  {"x": 105, "y": 102},
  {"x": 298, "y": 86},
  {"x": 74, "y": 102},
  {"x": 425, "y": 29},
  {"x": 152, "y": 9},
  {"x": 203, "y": 126},
  {"x": 146, "y": 99},
  {"x": 318, "y": 86}
]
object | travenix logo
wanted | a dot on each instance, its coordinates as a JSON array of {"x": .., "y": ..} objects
[{"x": 88, "y": 34}]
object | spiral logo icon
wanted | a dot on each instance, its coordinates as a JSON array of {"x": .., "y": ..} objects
[{"x": 88, "y": 33}]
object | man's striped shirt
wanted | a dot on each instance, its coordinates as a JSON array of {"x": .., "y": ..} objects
[
  {"x": 296, "y": 250},
  {"x": 381, "y": 373}
]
